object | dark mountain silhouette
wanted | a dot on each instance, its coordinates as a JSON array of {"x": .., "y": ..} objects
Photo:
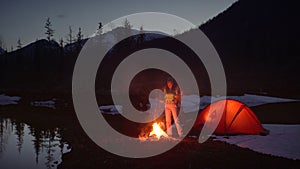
[
  {"x": 39, "y": 67},
  {"x": 44, "y": 68},
  {"x": 258, "y": 42}
]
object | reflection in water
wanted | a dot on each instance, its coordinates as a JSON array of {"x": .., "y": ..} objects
[{"x": 23, "y": 146}]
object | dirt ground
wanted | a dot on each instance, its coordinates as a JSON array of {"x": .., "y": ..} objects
[{"x": 189, "y": 153}]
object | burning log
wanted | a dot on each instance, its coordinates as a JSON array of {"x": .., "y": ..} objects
[{"x": 157, "y": 131}]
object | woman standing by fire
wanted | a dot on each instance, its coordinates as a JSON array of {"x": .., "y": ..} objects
[{"x": 172, "y": 99}]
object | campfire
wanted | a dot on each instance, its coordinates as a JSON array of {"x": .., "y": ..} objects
[{"x": 156, "y": 132}]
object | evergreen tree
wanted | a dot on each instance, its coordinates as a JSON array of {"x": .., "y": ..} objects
[
  {"x": 79, "y": 35},
  {"x": 19, "y": 44},
  {"x": 127, "y": 32},
  {"x": 70, "y": 35},
  {"x": 127, "y": 24},
  {"x": 141, "y": 36},
  {"x": 49, "y": 31},
  {"x": 61, "y": 42},
  {"x": 1, "y": 43},
  {"x": 19, "y": 132},
  {"x": 142, "y": 29},
  {"x": 37, "y": 141},
  {"x": 100, "y": 29}
]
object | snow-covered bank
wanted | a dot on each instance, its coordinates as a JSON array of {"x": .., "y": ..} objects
[
  {"x": 7, "y": 100},
  {"x": 283, "y": 141},
  {"x": 255, "y": 100},
  {"x": 48, "y": 103},
  {"x": 111, "y": 109},
  {"x": 190, "y": 102}
]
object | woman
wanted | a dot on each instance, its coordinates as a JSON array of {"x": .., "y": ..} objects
[{"x": 172, "y": 98}]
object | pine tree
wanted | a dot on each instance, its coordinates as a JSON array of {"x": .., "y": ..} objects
[
  {"x": 19, "y": 44},
  {"x": 19, "y": 132},
  {"x": 61, "y": 42},
  {"x": 49, "y": 31},
  {"x": 1, "y": 43},
  {"x": 141, "y": 37},
  {"x": 127, "y": 24},
  {"x": 127, "y": 32},
  {"x": 142, "y": 29},
  {"x": 79, "y": 35},
  {"x": 100, "y": 29},
  {"x": 70, "y": 35}
]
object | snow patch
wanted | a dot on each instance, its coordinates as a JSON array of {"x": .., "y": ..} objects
[
  {"x": 48, "y": 103},
  {"x": 190, "y": 103},
  {"x": 255, "y": 100},
  {"x": 282, "y": 141},
  {"x": 111, "y": 109},
  {"x": 7, "y": 100}
]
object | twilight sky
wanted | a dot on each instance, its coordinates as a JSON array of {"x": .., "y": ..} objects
[{"x": 25, "y": 19}]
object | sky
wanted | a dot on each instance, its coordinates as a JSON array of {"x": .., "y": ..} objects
[{"x": 25, "y": 19}]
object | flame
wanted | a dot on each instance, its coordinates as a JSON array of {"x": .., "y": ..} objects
[{"x": 157, "y": 131}]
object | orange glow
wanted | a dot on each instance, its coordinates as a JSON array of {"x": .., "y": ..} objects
[
  {"x": 157, "y": 131},
  {"x": 236, "y": 118},
  {"x": 207, "y": 118}
]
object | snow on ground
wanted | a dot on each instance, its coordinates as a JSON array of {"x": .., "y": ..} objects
[
  {"x": 190, "y": 103},
  {"x": 255, "y": 100},
  {"x": 48, "y": 103},
  {"x": 111, "y": 109},
  {"x": 6, "y": 100},
  {"x": 283, "y": 141}
]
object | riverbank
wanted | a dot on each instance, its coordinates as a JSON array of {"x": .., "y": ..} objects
[{"x": 188, "y": 154}]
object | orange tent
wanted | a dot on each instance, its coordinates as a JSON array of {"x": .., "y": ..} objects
[{"x": 237, "y": 118}]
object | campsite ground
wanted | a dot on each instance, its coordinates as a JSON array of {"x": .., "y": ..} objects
[{"x": 188, "y": 154}]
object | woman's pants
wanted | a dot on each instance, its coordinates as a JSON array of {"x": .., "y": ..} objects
[{"x": 171, "y": 110}]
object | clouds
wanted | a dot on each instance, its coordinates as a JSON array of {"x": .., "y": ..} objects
[{"x": 61, "y": 16}]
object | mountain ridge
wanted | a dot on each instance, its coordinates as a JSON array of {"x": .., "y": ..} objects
[
  {"x": 250, "y": 39},
  {"x": 258, "y": 56}
]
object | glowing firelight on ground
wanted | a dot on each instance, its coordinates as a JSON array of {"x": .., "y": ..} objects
[{"x": 157, "y": 131}]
